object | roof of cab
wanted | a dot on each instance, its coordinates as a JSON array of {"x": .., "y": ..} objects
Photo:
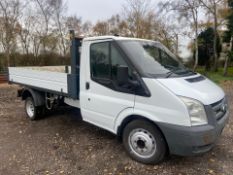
[{"x": 109, "y": 37}]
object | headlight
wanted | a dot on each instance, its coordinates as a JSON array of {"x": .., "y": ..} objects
[{"x": 196, "y": 111}]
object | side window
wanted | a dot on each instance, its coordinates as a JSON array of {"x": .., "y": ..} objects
[
  {"x": 116, "y": 61},
  {"x": 100, "y": 61},
  {"x": 105, "y": 58}
]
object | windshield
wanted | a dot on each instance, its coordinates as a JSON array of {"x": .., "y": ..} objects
[{"x": 154, "y": 59}]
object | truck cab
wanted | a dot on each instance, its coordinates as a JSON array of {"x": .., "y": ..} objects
[{"x": 138, "y": 90}]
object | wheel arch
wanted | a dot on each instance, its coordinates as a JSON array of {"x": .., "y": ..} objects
[
  {"x": 126, "y": 121},
  {"x": 131, "y": 114},
  {"x": 130, "y": 118},
  {"x": 38, "y": 97}
]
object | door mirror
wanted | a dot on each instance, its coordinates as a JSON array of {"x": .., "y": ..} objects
[{"x": 122, "y": 75}]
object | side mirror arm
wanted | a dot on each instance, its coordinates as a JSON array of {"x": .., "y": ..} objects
[{"x": 134, "y": 83}]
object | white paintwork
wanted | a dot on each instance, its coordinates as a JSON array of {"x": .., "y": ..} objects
[
  {"x": 100, "y": 105},
  {"x": 104, "y": 38},
  {"x": 163, "y": 106},
  {"x": 106, "y": 108},
  {"x": 204, "y": 91},
  {"x": 31, "y": 76}
]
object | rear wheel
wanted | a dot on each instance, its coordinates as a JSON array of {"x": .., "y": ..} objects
[
  {"x": 33, "y": 112},
  {"x": 144, "y": 142}
]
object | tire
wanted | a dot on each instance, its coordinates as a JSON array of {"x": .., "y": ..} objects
[
  {"x": 144, "y": 142},
  {"x": 33, "y": 112}
]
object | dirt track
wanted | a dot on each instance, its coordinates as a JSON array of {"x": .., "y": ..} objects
[{"x": 62, "y": 144}]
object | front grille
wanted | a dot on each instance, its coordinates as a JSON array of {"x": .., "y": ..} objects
[{"x": 220, "y": 109}]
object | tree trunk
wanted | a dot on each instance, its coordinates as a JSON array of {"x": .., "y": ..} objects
[
  {"x": 207, "y": 66},
  {"x": 226, "y": 67},
  {"x": 228, "y": 58},
  {"x": 231, "y": 44},
  {"x": 196, "y": 55},
  {"x": 177, "y": 44},
  {"x": 63, "y": 44},
  {"x": 8, "y": 57},
  {"x": 196, "y": 45},
  {"x": 215, "y": 68}
]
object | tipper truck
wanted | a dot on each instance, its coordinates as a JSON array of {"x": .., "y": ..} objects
[{"x": 134, "y": 88}]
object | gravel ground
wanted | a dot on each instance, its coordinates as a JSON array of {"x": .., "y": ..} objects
[{"x": 63, "y": 144}]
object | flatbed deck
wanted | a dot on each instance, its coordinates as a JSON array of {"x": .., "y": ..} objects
[{"x": 53, "y": 78}]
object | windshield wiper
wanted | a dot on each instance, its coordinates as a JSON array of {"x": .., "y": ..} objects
[
  {"x": 179, "y": 71},
  {"x": 169, "y": 74}
]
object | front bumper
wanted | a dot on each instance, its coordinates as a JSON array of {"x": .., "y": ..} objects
[{"x": 189, "y": 141}]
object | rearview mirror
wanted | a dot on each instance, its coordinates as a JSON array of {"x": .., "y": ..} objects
[{"x": 122, "y": 75}]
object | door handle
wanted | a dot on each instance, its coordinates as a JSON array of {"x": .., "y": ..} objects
[{"x": 87, "y": 85}]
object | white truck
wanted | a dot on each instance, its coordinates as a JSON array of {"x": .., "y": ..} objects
[{"x": 134, "y": 88}]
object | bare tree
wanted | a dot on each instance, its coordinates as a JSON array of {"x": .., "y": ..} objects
[
  {"x": 116, "y": 25},
  {"x": 74, "y": 23},
  {"x": 45, "y": 11},
  {"x": 87, "y": 28},
  {"x": 228, "y": 57},
  {"x": 123, "y": 28},
  {"x": 59, "y": 16},
  {"x": 113, "y": 24},
  {"x": 36, "y": 44},
  {"x": 212, "y": 7},
  {"x": 25, "y": 31},
  {"x": 31, "y": 31},
  {"x": 189, "y": 10},
  {"x": 138, "y": 14},
  {"x": 10, "y": 12},
  {"x": 142, "y": 22},
  {"x": 101, "y": 28}
]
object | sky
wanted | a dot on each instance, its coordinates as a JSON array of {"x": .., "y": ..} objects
[{"x": 94, "y": 10}]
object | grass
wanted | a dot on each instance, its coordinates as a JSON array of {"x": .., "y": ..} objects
[{"x": 218, "y": 77}]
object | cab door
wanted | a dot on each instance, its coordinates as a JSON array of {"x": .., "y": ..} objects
[{"x": 102, "y": 100}]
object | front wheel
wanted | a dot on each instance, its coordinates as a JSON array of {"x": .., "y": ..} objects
[
  {"x": 33, "y": 112},
  {"x": 144, "y": 142}
]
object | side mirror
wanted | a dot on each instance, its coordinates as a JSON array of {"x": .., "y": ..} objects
[{"x": 122, "y": 75}]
